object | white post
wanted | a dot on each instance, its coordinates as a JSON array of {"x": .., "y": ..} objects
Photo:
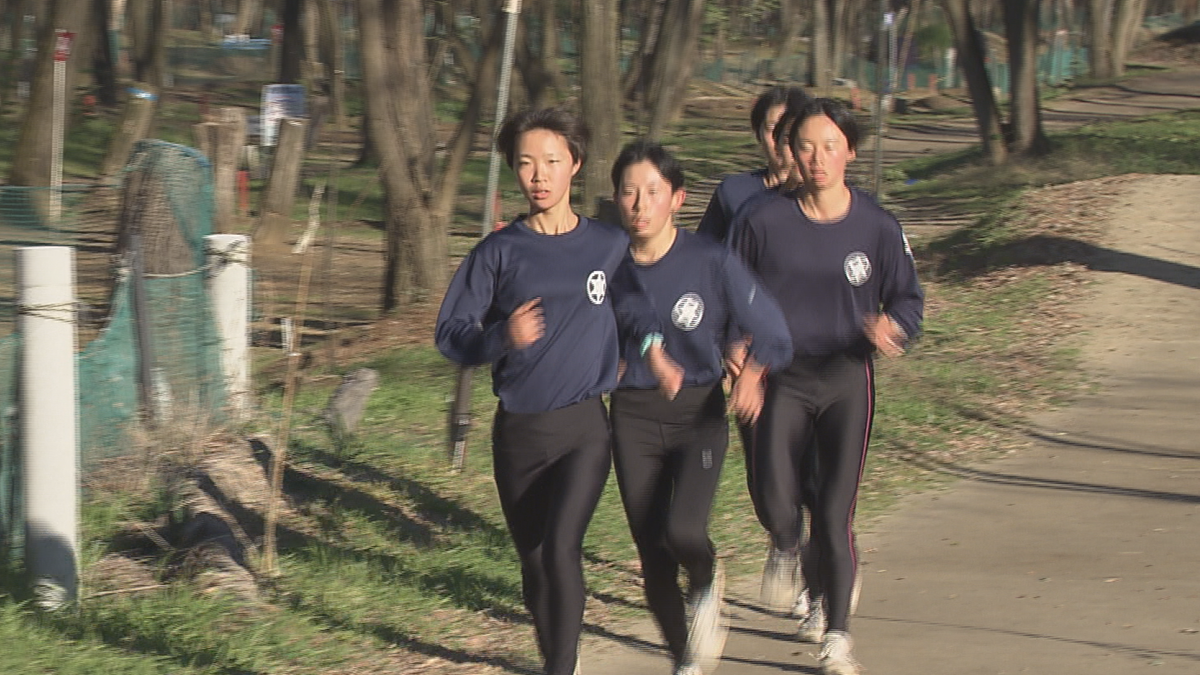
[
  {"x": 49, "y": 420},
  {"x": 229, "y": 288}
]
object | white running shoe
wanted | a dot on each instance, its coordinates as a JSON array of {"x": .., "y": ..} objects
[
  {"x": 688, "y": 669},
  {"x": 778, "y": 591},
  {"x": 835, "y": 655},
  {"x": 801, "y": 607},
  {"x": 708, "y": 627},
  {"x": 812, "y": 627}
]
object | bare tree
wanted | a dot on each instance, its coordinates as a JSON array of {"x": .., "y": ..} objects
[
  {"x": 665, "y": 77},
  {"x": 146, "y": 27},
  {"x": 820, "y": 70},
  {"x": 537, "y": 60},
  {"x": 248, "y": 18},
  {"x": 1025, "y": 118},
  {"x": 104, "y": 67},
  {"x": 291, "y": 52},
  {"x": 971, "y": 58},
  {"x": 399, "y": 114},
  {"x": 1129, "y": 18},
  {"x": 791, "y": 20},
  {"x": 598, "y": 81}
]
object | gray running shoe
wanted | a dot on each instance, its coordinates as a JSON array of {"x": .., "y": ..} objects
[
  {"x": 835, "y": 655},
  {"x": 708, "y": 627},
  {"x": 779, "y": 580},
  {"x": 812, "y": 627},
  {"x": 688, "y": 669}
]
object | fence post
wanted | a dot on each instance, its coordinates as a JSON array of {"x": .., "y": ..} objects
[
  {"x": 279, "y": 195},
  {"x": 229, "y": 287},
  {"x": 48, "y": 421}
]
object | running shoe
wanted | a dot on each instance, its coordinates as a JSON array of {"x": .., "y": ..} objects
[
  {"x": 779, "y": 580},
  {"x": 812, "y": 627},
  {"x": 688, "y": 669},
  {"x": 801, "y": 607},
  {"x": 708, "y": 627},
  {"x": 835, "y": 655}
]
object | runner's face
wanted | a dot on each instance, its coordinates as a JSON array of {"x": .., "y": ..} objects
[
  {"x": 647, "y": 202},
  {"x": 775, "y": 160},
  {"x": 544, "y": 169},
  {"x": 822, "y": 153}
]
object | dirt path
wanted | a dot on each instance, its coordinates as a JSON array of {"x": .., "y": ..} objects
[{"x": 1078, "y": 556}]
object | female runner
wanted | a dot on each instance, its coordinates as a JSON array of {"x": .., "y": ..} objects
[
  {"x": 841, "y": 269},
  {"x": 544, "y": 300},
  {"x": 669, "y": 453}
]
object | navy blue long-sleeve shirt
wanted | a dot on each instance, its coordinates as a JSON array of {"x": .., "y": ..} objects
[
  {"x": 590, "y": 298},
  {"x": 828, "y": 276},
  {"x": 701, "y": 290},
  {"x": 727, "y": 200}
]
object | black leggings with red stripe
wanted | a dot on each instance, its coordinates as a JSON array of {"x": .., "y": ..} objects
[{"x": 830, "y": 400}]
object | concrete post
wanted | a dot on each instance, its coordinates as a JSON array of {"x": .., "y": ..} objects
[
  {"x": 229, "y": 287},
  {"x": 49, "y": 414}
]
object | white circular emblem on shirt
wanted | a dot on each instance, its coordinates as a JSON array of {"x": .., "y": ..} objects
[
  {"x": 858, "y": 268},
  {"x": 597, "y": 285},
  {"x": 688, "y": 311}
]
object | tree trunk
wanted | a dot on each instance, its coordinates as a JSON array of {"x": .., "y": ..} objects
[
  {"x": 820, "y": 71},
  {"x": 1125, "y": 30},
  {"x": 971, "y": 59},
  {"x": 31, "y": 159},
  {"x": 104, "y": 66},
  {"x": 671, "y": 68},
  {"x": 1099, "y": 38},
  {"x": 249, "y": 15},
  {"x": 842, "y": 25},
  {"x": 400, "y": 116},
  {"x": 650, "y": 21},
  {"x": 291, "y": 52},
  {"x": 147, "y": 23},
  {"x": 459, "y": 148},
  {"x": 1021, "y": 28},
  {"x": 791, "y": 19},
  {"x": 601, "y": 109},
  {"x": 329, "y": 46}
]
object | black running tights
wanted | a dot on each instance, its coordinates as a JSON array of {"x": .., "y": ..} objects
[
  {"x": 550, "y": 469},
  {"x": 831, "y": 401}
]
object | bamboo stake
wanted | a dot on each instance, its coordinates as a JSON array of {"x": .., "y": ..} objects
[{"x": 279, "y": 453}]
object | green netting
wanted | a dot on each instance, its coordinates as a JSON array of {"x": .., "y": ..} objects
[{"x": 174, "y": 213}]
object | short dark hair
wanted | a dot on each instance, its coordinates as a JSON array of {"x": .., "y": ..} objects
[
  {"x": 557, "y": 120},
  {"x": 796, "y": 100},
  {"x": 777, "y": 95},
  {"x": 838, "y": 113},
  {"x": 646, "y": 150}
]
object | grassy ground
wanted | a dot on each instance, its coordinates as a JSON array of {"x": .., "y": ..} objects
[{"x": 391, "y": 563}]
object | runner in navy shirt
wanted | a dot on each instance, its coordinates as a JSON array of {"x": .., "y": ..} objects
[
  {"x": 544, "y": 301},
  {"x": 669, "y": 453},
  {"x": 735, "y": 189},
  {"x": 840, "y": 267}
]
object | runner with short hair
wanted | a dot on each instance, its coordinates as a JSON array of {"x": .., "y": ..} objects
[
  {"x": 547, "y": 301},
  {"x": 841, "y": 269},
  {"x": 669, "y": 454}
]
